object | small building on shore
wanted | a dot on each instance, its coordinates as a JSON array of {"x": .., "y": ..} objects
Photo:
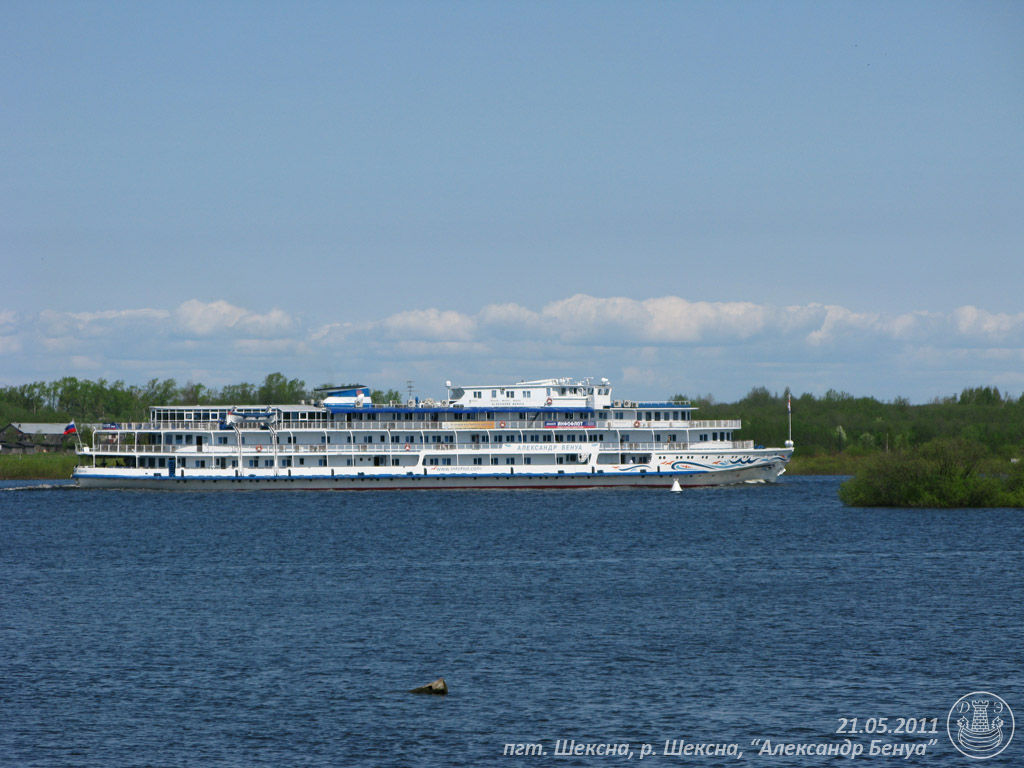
[
  {"x": 17, "y": 447},
  {"x": 34, "y": 437}
]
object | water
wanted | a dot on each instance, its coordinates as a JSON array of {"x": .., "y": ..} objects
[{"x": 284, "y": 628}]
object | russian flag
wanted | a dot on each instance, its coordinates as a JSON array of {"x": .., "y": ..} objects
[{"x": 70, "y": 429}]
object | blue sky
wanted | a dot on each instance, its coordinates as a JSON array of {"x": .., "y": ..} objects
[{"x": 684, "y": 197}]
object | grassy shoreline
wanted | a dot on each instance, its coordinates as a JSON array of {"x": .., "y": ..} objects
[
  {"x": 825, "y": 464},
  {"x": 37, "y": 466}
]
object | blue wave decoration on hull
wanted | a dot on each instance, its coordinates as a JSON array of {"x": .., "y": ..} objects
[{"x": 716, "y": 466}]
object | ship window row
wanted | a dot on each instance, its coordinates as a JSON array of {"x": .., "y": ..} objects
[
  {"x": 509, "y": 393},
  {"x": 715, "y": 436},
  {"x": 651, "y": 415},
  {"x": 217, "y": 414},
  {"x": 512, "y": 437}
]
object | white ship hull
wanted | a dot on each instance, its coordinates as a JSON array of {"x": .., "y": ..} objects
[{"x": 764, "y": 469}]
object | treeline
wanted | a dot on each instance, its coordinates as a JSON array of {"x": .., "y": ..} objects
[
  {"x": 842, "y": 423},
  {"x": 98, "y": 401}
]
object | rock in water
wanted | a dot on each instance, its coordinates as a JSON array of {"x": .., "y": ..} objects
[{"x": 438, "y": 687}]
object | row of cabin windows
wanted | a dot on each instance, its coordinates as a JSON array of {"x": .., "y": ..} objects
[
  {"x": 487, "y": 438},
  {"x": 286, "y": 462},
  {"x": 706, "y": 436},
  {"x": 547, "y": 437},
  {"x": 348, "y": 417},
  {"x": 651, "y": 415},
  {"x": 479, "y": 393},
  {"x": 509, "y": 460},
  {"x": 521, "y": 415},
  {"x": 218, "y": 415}
]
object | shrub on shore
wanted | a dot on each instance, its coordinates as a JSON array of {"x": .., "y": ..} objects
[{"x": 942, "y": 473}]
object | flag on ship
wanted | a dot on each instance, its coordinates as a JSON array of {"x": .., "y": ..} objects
[{"x": 71, "y": 429}]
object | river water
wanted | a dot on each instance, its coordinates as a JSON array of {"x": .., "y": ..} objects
[{"x": 285, "y": 628}]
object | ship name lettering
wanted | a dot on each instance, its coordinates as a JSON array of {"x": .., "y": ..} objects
[
  {"x": 891, "y": 749},
  {"x": 846, "y": 748}
]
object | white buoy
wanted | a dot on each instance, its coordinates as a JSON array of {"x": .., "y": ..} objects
[{"x": 676, "y": 487}]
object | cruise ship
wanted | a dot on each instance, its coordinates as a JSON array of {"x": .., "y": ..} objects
[{"x": 550, "y": 433}]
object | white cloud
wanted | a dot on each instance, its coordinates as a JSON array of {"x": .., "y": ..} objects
[
  {"x": 971, "y": 321},
  {"x": 220, "y": 317},
  {"x": 498, "y": 315},
  {"x": 582, "y": 318},
  {"x": 85, "y": 363},
  {"x": 9, "y": 345},
  {"x": 674, "y": 319},
  {"x": 78, "y": 324},
  {"x": 582, "y": 326},
  {"x": 338, "y": 332},
  {"x": 271, "y": 346},
  {"x": 664, "y": 343},
  {"x": 434, "y": 349},
  {"x": 440, "y": 325},
  {"x": 663, "y": 320},
  {"x": 839, "y": 321}
]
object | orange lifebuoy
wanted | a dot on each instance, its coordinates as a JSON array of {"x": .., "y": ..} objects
[
  {"x": 501, "y": 424},
  {"x": 407, "y": 446},
  {"x": 636, "y": 423},
  {"x": 548, "y": 401},
  {"x": 259, "y": 448}
]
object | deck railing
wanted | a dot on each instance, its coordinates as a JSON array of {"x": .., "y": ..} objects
[{"x": 421, "y": 425}]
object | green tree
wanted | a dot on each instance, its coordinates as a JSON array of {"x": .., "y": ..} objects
[
  {"x": 237, "y": 394},
  {"x": 980, "y": 396},
  {"x": 386, "y": 396},
  {"x": 278, "y": 390},
  {"x": 194, "y": 394}
]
